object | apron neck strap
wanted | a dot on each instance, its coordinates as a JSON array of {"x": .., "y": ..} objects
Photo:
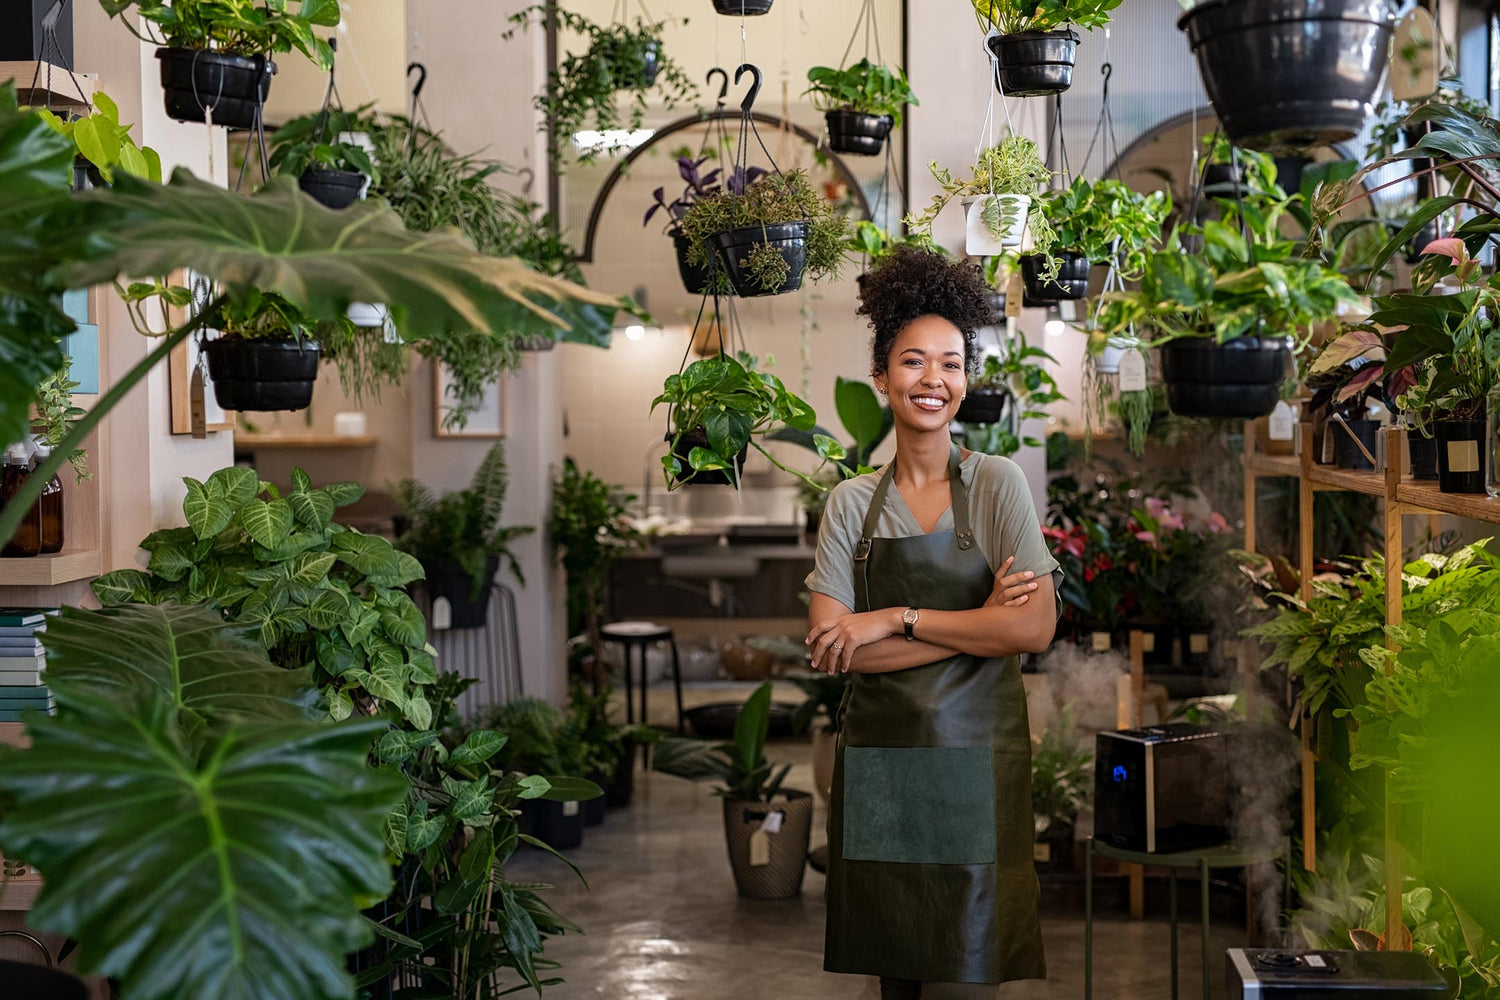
[{"x": 957, "y": 491}]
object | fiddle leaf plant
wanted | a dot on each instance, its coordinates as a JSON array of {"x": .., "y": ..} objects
[{"x": 181, "y": 762}]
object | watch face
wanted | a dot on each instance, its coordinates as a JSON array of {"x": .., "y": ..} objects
[{"x": 910, "y": 617}]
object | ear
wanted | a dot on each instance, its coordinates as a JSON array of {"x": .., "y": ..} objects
[{"x": 879, "y": 379}]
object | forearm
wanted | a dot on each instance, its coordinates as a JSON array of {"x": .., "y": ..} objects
[
  {"x": 895, "y": 653},
  {"x": 990, "y": 631}
]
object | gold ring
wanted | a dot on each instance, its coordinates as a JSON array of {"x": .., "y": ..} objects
[{"x": 838, "y": 645}]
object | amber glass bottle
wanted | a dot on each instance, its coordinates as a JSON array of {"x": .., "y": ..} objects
[
  {"x": 27, "y": 540},
  {"x": 51, "y": 504}
]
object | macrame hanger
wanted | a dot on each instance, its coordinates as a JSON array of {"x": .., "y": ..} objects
[
  {"x": 53, "y": 45},
  {"x": 1057, "y": 136}
]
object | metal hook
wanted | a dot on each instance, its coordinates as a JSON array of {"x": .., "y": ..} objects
[
  {"x": 421, "y": 78},
  {"x": 754, "y": 92},
  {"x": 1107, "y": 70},
  {"x": 722, "y": 73}
]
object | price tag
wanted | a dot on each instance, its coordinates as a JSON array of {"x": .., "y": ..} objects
[
  {"x": 772, "y": 822},
  {"x": 1283, "y": 422},
  {"x": 1133, "y": 372},
  {"x": 442, "y": 615},
  {"x": 1148, "y": 642},
  {"x": 1015, "y": 290},
  {"x": 1463, "y": 456},
  {"x": 570, "y": 808},
  {"x": 1103, "y": 642},
  {"x": 197, "y": 410},
  {"x": 1198, "y": 643},
  {"x": 1329, "y": 430},
  {"x": 760, "y": 849},
  {"x": 1041, "y": 852}
]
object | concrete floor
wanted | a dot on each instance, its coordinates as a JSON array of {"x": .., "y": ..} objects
[{"x": 662, "y": 920}]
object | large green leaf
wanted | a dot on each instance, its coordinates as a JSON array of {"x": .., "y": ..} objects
[{"x": 859, "y": 411}]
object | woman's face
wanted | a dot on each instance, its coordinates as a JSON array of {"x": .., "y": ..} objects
[{"x": 925, "y": 376}]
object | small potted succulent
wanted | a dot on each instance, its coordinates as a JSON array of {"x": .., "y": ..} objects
[
  {"x": 1105, "y": 222},
  {"x": 215, "y": 54},
  {"x": 1032, "y": 45},
  {"x": 323, "y": 152},
  {"x": 769, "y": 236},
  {"x": 999, "y": 198},
  {"x": 861, "y": 104},
  {"x": 696, "y": 277}
]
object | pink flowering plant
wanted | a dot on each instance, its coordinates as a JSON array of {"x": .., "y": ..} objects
[{"x": 1170, "y": 557}]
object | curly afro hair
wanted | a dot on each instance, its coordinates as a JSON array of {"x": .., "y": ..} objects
[{"x": 913, "y": 282}]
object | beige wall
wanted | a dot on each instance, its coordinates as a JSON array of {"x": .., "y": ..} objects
[{"x": 369, "y": 67}]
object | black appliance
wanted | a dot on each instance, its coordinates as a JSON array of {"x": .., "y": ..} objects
[
  {"x": 1161, "y": 789},
  {"x": 1266, "y": 974}
]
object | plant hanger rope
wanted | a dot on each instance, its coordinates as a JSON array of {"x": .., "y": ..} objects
[
  {"x": 866, "y": 20},
  {"x": 51, "y": 42}
]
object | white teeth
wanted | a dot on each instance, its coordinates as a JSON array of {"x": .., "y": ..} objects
[{"x": 930, "y": 401}]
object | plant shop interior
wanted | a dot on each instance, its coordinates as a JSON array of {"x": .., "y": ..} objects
[{"x": 488, "y": 486}]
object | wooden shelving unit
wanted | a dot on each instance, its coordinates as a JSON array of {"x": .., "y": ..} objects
[
  {"x": 254, "y": 442},
  {"x": 1402, "y": 497},
  {"x": 49, "y": 571},
  {"x": 54, "y": 88}
]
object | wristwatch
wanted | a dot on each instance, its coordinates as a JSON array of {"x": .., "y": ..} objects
[{"x": 909, "y": 618}]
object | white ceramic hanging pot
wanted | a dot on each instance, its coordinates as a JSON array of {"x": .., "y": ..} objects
[
  {"x": 1108, "y": 362},
  {"x": 980, "y": 240}
]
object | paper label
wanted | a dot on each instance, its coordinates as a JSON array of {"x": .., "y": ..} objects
[
  {"x": 442, "y": 614},
  {"x": 1282, "y": 424},
  {"x": 1198, "y": 643},
  {"x": 1103, "y": 642},
  {"x": 772, "y": 822},
  {"x": 1133, "y": 372},
  {"x": 1015, "y": 290},
  {"x": 570, "y": 808},
  {"x": 1148, "y": 642},
  {"x": 197, "y": 408},
  {"x": 760, "y": 849},
  {"x": 1041, "y": 852},
  {"x": 1463, "y": 456},
  {"x": 1329, "y": 430}
]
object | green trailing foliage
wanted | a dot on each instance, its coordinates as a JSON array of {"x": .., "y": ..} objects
[
  {"x": 1017, "y": 369},
  {"x": 865, "y": 87},
  {"x": 1014, "y": 167},
  {"x": 1107, "y": 222},
  {"x": 316, "y": 140},
  {"x": 56, "y": 414},
  {"x": 739, "y": 766},
  {"x": 105, "y": 143},
  {"x": 462, "y": 526},
  {"x": 240, "y": 835},
  {"x": 1011, "y": 16},
  {"x": 244, "y": 27}
]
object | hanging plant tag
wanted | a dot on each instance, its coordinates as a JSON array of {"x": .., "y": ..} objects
[
  {"x": 1133, "y": 372},
  {"x": 442, "y": 615},
  {"x": 570, "y": 809},
  {"x": 1282, "y": 424},
  {"x": 772, "y": 822},
  {"x": 1015, "y": 290},
  {"x": 197, "y": 409}
]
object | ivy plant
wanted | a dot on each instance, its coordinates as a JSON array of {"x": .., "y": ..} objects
[
  {"x": 244, "y": 27},
  {"x": 1014, "y": 167},
  {"x": 865, "y": 87},
  {"x": 1107, "y": 221},
  {"x": 56, "y": 414},
  {"x": 1018, "y": 368}
]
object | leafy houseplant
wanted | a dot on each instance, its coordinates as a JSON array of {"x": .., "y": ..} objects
[
  {"x": 867, "y": 423},
  {"x": 56, "y": 414},
  {"x": 540, "y": 739},
  {"x": 768, "y": 235},
  {"x": 696, "y": 277},
  {"x": 607, "y": 750},
  {"x": 216, "y": 53},
  {"x": 1061, "y": 785},
  {"x": 328, "y": 166},
  {"x": 585, "y": 88},
  {"x": 1015, "y": 375},
  {"x": 751, "y": 789},
  {"x": 458, "y": 538},
  {"x": 104, "y": 145},
  {"x": 1000, "y": 195},
  {"x": 1033, "y": 48},
  {"x": 1105, "y": 222},
  {"x": 861, "y": 103},
  {"x": 589, "y": 533}
]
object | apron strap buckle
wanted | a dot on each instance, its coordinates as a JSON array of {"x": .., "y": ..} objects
[
  {"x": 965, "y": 539},
  {"x": 862, "y": 549}
]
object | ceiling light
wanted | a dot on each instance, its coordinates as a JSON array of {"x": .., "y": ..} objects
[
  {"x": 1054, "y": 327},
  {"x": 635, "y": 332}
]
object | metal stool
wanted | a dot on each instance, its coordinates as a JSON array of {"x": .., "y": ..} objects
[{"x": 637, "y": 636}]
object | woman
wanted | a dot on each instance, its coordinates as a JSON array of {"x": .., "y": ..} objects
[{"x": 930, "y": 875}]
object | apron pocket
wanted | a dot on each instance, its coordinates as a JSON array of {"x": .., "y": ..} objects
[{"x": 919, "y": 805}]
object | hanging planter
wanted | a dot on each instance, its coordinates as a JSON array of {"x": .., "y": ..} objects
[
  {"x": 1107, "y": 362},
  {"x": 743, "y": 8},
  {"x": 1034, "y": 63},
  {"x": 749, "y": 256},
  {"x": 696, "y": 278},
  {"x": 995, "y": 223},
  {"x": 1285, "y": 74},
  {"x": 982, "y": 406},
  {"x": 1460, "y": 452},
  {"x": 235, "y": 86},
  {"x": 857, "y": 133},
  {"x": 707, "y": 477},
  {"x": 332, "y": 188},
  {"x": 1072, "y": 281},
  {"x": 262, "y": 375},
  {"x": 861, "y": 103},
  {"x": 1240, "y": 378},
  {"x": 448, "y": 580}
]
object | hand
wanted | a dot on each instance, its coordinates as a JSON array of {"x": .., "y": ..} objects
[
  {"x": 1010, "y": 591},
  {"x": 834, "y": 640}
]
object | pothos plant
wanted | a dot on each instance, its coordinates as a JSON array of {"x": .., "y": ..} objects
[
  {"x": 1014, "y": 167},
  {"x": 317, "y": 141},
  {"x": 1016, "y": 368},
  {"x": 585, "y": 88},
  {"x": 865, "y": 87},
  {"x": 244, "y": 27},
  {"x": 104, "y": 142},
  {"x": 1108, "y": 222},
  {"x": 1011, "y": 16}
]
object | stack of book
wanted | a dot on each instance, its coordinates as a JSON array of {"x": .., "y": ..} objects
[{"x": 22, "y": 660}]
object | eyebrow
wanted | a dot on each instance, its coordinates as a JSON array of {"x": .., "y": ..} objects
[{"x": 918, "y": 350}]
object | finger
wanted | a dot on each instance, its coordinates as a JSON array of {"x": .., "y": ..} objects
[
  {"x": 1004, "y": 567},
  {"x": 824, "y": 645},
  {"x": 1015, "y": 579},
  {"x": 846, "y": 658},
  {"x": 817, "y": 630},
  {"x": 1016, "y": 602},
  {"x": 1012, "y": 592}
]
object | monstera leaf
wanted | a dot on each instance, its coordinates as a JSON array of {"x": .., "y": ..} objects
[{"x": 190, "y": 850}]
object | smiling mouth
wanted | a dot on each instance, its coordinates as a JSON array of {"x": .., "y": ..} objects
[{"x": 932, "y": 404}]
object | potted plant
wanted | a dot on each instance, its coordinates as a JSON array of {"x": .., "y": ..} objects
[
  {"x": 539, "y": 740},
  {"x": 861, "y": 104},
  {"x": 56, "y": 414},
  {"x": 1031, "y": 44},
  {"x": 458, "y": 538},
  {"x": 321, "y": 150},
  {"x": 743, "y": 8},
  {"x": 1105, "y": 222},
  {"x": 867, "y": 422},
  {"x": 1321, "y": 92},
  {"x": 265, "y": 357},
  {"x": 820, "y": 715},
  {"x": 1062, "y": 781},
  {"x": 104, "y": 145},
  {"x": 215, "y": 54},
  {"x": 767, "y": 236},
  {"x": 999, "y": 200},
  {"x": 607, "y": 750},
  {"x": 584, "y": 90},
  {"x": 751, "y": 789},
  {"x": 696, "y": 277},
  {"x": 590, "y": 533},
  {"x": 1013, "y": 375}
]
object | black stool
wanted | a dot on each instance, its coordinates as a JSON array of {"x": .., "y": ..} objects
[{"x": 637, "y": 636}]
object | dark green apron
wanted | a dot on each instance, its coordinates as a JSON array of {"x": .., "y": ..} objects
[{"x": 930, "y": 873}]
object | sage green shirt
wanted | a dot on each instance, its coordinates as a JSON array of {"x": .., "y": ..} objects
[{"x": 1000, "y": 509}]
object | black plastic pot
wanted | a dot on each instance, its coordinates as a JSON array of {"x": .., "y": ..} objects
[
  {"x": 790, "y": 238},
  {"x": 1424, "y": 455},
  {"x": 447, "y": 579},
  {"x": 619, "y": 786},
  {"x": 1240, "y": 379},
  {"x": 1072, "y": 281},
  {"x": 86, "y": 176},
  {"x": 857, "y": 133},
  {"x": 262, "y": 375},
  {"x": 695, "y": 277},
  {"x": 559, "y": 825},
  {"x": 1288, "y": 74},
  {"x": 1054, "y": 851},
  {"x": 333, "y": 188},
  {"x": 595, "y": 808},
  {"x": 38, "y": 982},
  {"x": 235, "y": 86},
  {"x": 982, "y": 406},
  {"x": 710, "y": 477},
  {"x": 1289, "y": 172},
  {"x": 1346, "y": 454},
  {"x": 747, "y": 8},
  {"x": 1460, "y": 448},
  {"x": 1033, "y": 63},
  {"x": 1223, "y": 180}
]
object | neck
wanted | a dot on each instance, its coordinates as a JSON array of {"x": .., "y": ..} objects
[{"x": 921, "y": 456}]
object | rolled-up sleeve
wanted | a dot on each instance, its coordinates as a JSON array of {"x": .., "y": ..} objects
[
  {"x": 833, "y": 567},
  {"x": 1018, "y": 529}
]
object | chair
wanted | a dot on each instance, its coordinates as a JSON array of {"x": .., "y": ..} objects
[{"x": 637, "y": 636}]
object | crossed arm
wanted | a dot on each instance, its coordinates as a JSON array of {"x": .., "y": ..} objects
[{"x": 1019, "y": 617}]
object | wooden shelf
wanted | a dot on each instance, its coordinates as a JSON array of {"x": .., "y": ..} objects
[
  {"x": 1272, "y": 465},
  {"x": 54, "y": 87},
  {"x": 1427, "y": 496},
  {"x": 49, "y": 571},
  {"x": 1354, "y": 481},
  {"x": 250, "y": 442}
]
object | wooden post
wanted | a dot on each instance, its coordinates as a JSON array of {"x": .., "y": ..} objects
[
  {"x": 1397, "y": 937},
  {"x": 1137, "y": 873},
  {"x": 1249, "y": 487},
  {"x": 1305, "y": 528}
]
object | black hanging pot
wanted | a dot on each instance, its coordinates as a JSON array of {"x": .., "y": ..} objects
[
  {"x": 333, "y": 188},
  {"x": 1460, "y": 449},
  {"x": 236, "y": 86},
  {"x": 1424, "y": 455},
  {"x": 262, "y": 375},
  {"x": 1288, "y": 74},
  {"x": 559, "y": 825},
  {"x": 789, "y": 238},
  {"x": 448, "y": 580},
  {"x": 1034, "y": 63},
  {"x": 745, "y": 8},
  {"x": 696, "y": 278},
  {"x": 708, "y": 477},
  {"x": 857, "y": 133},
  {"x": 86, "y": 176},
  {"x": 1289, "y": 172},
  {"x": 39, "y": 982},
  {"x": 1072, "y": 281},
  {"x": 982, "y": 406},
  {"x": 1347, "y": 454},
  {"x": 1239, "y": 379},
  {"x": 1223, "y": 180}
]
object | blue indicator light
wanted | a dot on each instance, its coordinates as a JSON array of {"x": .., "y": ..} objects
[{"x": 1120, "y": 773}]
